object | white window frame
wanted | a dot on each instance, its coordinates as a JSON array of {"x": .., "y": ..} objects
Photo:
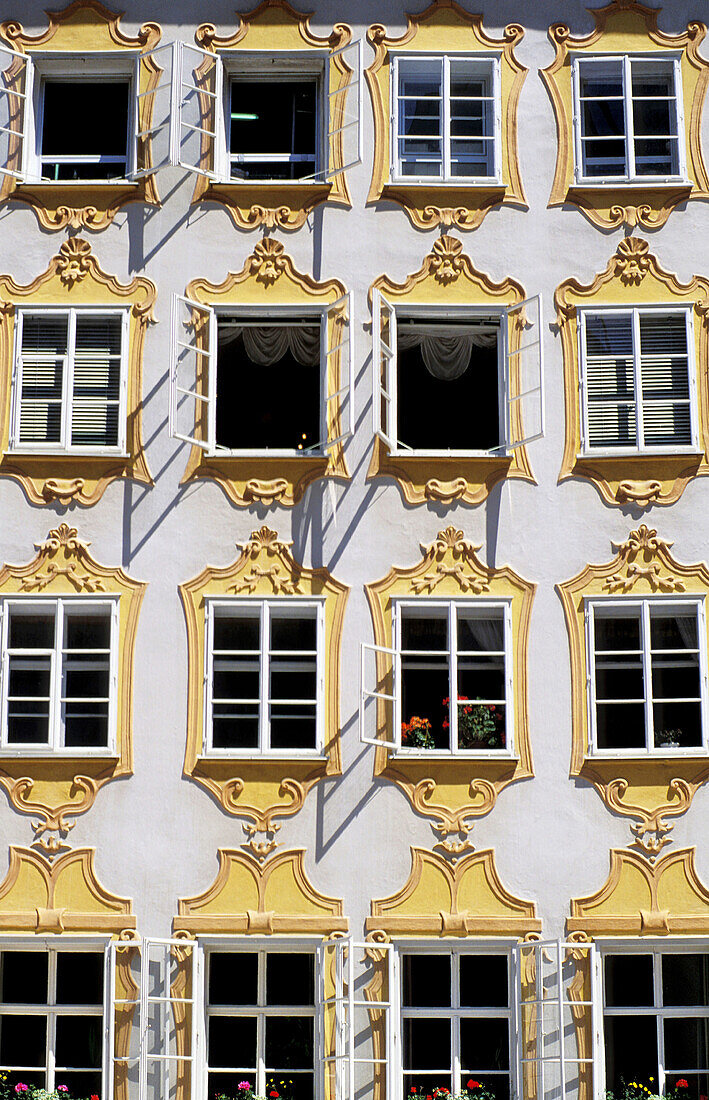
[
  {"x": 491, "y": 59},
  {"x": 451, "y": 607},
  {"x": 98, "y": 944},
  {"x": 205, "y": 359},
  {"x": 656, "y": 948},
  {"x": 22, "y": 128},
  {"x": 454, "y": 949},
  {"x": 213, "y": 944},
  {"x": 262, "y": 65},
  {"x": 54, "y": 746},
  {"x": 635, "y": 313},
  {"x": 628, "y": 137},
  {"x": 65, "y": 446},
  {"x": 644, "y": 603},
  {"x": 264, "y": 607},
  {"x": 385, "y": 372}
]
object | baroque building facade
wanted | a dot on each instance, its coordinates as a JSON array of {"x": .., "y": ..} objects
[{"x": 354, "y": 424}]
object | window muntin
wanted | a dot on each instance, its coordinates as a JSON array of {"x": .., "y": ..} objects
[
  {"x": 59, "y": 675},
  {"x": 638, "y": 379},
  {"x": 260, "y": 1008},
  {"x": 269, "y": 384},
  {"x": 446, "y": 118},
  {"x": 83, "y": 129},
  {"x": 647, "y": 676},
  {"x": 629, "y": 118},
  {"x": 456, "y": 1020},
  {"x": 51, "y": 1018},
  {"x": 71, "y": 367},
  {"x": 265, "y": 687},
  {"x": 656, "y": 1019},
  {"x": 453, "y": 651},
  {"x": 273, "y": 131}
]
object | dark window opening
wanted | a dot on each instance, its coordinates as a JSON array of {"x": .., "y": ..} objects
[
  {"x": 447, "y": 386},
  {"x": 273, "y": 129},
  {"x": 85, "y": 129},
  {"x": 268, "y": 385}
]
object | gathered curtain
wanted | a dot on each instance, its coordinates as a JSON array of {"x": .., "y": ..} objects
[
  {"x": 266, "y": 345},
  {"x": 445, "y": 357}
]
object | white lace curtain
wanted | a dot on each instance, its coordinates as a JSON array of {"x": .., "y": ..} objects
[
  {"x": 445, "y": 357},
  {"x": 266, "y": 345}
]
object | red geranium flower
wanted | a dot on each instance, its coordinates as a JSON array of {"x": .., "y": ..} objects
[
  {"x": 473, "y": 1084},
  {"x": 274, "y": 1095},
  {"x": 682, "y": 1084},
  {"x": 412, "y": 1089}
]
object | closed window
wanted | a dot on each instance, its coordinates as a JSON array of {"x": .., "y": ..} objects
[
  {"x": 446, "y": 119},
  {"x": 628, "y": 118},
  {"x": 265, "y": 672},
  {"x": 51, "y": 1019},
  {"x": 58, "y": 674},
  {"x": 456, "y": 1022},
  {"x": 70, "y": 380},
  {"x": 261, "y": 1022},
  {"x": 638, "y": 387},
  {"x": 648, "y": 675},
  {"x": 274, "y": 128},
  {"x": 656, "y": 1020}
]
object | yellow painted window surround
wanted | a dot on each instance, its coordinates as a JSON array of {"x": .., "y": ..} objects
[
  {"x": 43, "y": 75},
  {"x": 444, "y": 96},
  {"x": 628, "y": 101}
]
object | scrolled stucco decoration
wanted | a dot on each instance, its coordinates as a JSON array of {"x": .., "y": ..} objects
[
  {"x": 249, "y": 895},
  {"x": 49, "y": 788},
  {"x": 272, "y": 28},
  {"x": 645, "y": 898},
  {"x": 84, "y": 28},
  {"x": 41, "y": 896},
  {"x": 647, "y": 788},
  {"x": 452, "y": 792},
  {"x": 444, "y": 27},
  {"x": 440, "y": 898},
  {"x": 75, "y": 278},
  {"x": 627, "y": 26},
  {"x": 633, "y": 278},
  {"x": 262, "y": 791},
  {"x": 269, "y": 278},
  {"x": 448, "y": 279}
]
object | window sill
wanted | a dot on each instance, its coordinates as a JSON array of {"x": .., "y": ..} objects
[
  {"x": 263, "y": 757},
  {"x": 437, "y": 203},
  {"x": 446, "y": 478},
  {"x": 79, "y": 204},
  {"x": 613, "y": 205},
  {"x": 490, "y": 756},
  {"x": 70, "y": 477},
  {"x": 638, "y": 182},
  {"x": 270, "y": 480},
  {"x": 640, "y": 478},
  {"x": 42, "y": 755},
  {"x": 274, "y": 204}
]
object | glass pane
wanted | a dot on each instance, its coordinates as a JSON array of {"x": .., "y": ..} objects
[
  {"x": 80, "y": 1084},
  {"x": 677, "y": 725},
  {"x": 424, "y": 630},
  {"x": 673, "y": 630},
  {"x": 233, "y": 978},
  {"x": 79, "y": 1040},
  {"x": 604, "y": 158},
  {"x": 629, "y": 981},
  {"x": 24, "y": 977},
  {"x": 289, "y": 1042},
  {"x": 603, "y": 118},
  {"x": 481, "y": 631},
  {"x": 427, "y": 981},
  {"x": 631, "y": 1049},
  {"x": 82, "y": 631},
  {"x": 484, "y": 1044},
  {"x": 231, "y": 1042},
  {"x": 294, "y": 632},
  {"x": 290, "y": 978},
  {"x": 685, "y": 979},
  {"x": 656, "y": 157},
  {"x": 616, "y": 631},
  {"x": 23, "y": 1040},
  {"x": 428, "y": 1084},
  {"x": 236, "y": 632},
  {"x": 427, "y": 1044},
  {"x": 79, "y": 978},
  {"x": 601, "y": 80},
  {"x": 620, "y": 726},
  {"x": 484, "y": 981},
  {"x": 235, "y": 726},
  {"x": 293, "y": 727},
  {"x": 424, "y": 702},
  {"x": 686, "y": 1043},
  {"x": 85, "y": 725},
  {"x": 31, "y": 631}
]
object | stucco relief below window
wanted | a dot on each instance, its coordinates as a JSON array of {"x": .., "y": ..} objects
[
  {"x": 444, "y": 96},
  {"x": 628, "y": 101}
]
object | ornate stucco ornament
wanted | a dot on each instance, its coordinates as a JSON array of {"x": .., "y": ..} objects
[{"x": 632, "y": 261}]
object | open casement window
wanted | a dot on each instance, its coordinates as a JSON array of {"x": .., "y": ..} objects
[
  {"x": 52, "y": 1011},
  {"x": 59, "y": 675},
  {"x": 656, "y": 1017},
  {"x": 261, "y": 1017},
  {"x": 628, "y": 119},
  {"x": 265, "y": 684},
  {"x": 250, "y": 382},
  {"x": 456, "y": 381},
  {"x": 558, "y": 1025},
  {"x": 154, "y": 1005},
  {"x": 69, "y": 381},
  {"x": 298, "y": 121},
  {"x": 638, "y": 380},
  {"x": 443, "y": 651},
  {"x": 647, "y": 677},
  {"x": 457, "y": 1020},
  {"x": 358, "y": 1035},
  {"x": 16, "y": 109},
  {"x": 446, "y": 119}
]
